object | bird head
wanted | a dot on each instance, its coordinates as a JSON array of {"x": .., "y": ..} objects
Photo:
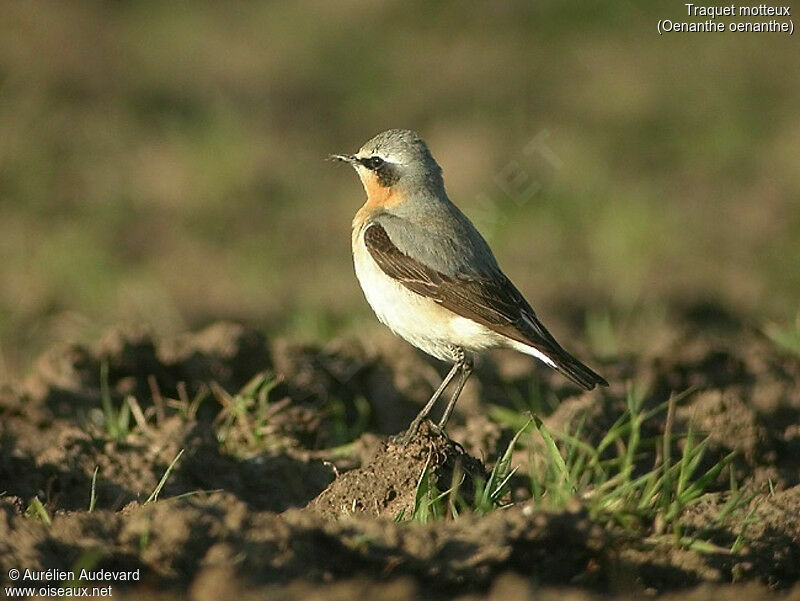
[{"x": 397, "y": 159}]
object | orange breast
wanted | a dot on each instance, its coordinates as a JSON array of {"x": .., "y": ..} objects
[{"x": 378, "y": 198}]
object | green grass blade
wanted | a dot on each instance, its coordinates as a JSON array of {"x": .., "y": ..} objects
[
  {"x": 154, "y": 495},
  {"x": 37, "y": 511},
  {"x": 555, "y": 455},
  {"x": 93, "y": 493}
]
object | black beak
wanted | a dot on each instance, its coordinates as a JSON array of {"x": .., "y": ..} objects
[{"x": 346, "y": 158}]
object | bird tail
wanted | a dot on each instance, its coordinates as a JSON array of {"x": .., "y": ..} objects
[
  {"x": 565, "y": 364},
  {"x": 576, "y": 371}
]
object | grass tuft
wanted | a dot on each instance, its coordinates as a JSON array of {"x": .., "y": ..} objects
[
  {"x": 489, "y": 495},
  {"x": 37, "y": 511},
  {"x": 245, "y": 416},
  {"x": 612, "y": 484},
  {"x": 428, "y": 500},
  {"x": 431, "y": 504},
  {"x": 612, "y": 480},
  {"x": 116, "y": 422}
]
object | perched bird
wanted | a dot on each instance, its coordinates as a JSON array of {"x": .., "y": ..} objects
[{"x": 431, "y": 277}]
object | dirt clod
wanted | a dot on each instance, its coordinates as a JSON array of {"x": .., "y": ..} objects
[{"x": 387, "y": 485}]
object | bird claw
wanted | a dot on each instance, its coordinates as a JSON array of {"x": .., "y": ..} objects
[{"x": 404, "y": 438}]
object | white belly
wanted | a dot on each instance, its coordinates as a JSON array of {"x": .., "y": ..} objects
[{"x": 418, "y": 319}]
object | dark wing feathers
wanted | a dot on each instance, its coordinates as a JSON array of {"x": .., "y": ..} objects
[{"x": 491, "y": 301}]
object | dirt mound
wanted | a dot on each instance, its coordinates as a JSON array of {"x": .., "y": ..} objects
[{"x": 386, "y": 486}]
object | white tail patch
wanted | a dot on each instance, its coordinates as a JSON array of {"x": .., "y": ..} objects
[{"x": 529, "y": 350}]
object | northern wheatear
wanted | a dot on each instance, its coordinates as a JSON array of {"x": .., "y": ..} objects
[{"x": 431, "y": 277}]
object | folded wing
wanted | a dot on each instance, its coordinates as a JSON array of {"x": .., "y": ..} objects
[{"x": 491, "y": 300}]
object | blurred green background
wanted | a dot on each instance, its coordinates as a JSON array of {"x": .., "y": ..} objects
[{"x": 164, "y": 163}]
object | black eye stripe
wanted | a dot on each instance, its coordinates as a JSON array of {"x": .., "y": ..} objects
[
  {"x": 374, "y": 163},
  {"x": 388, "y": 173}
]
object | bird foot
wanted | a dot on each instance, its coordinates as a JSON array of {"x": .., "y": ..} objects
[{"x": 406, "y": 437}]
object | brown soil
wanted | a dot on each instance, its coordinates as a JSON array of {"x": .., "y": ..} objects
[
  {"x": 306, "y": 511},
  {"x": 386, "y": 485}
]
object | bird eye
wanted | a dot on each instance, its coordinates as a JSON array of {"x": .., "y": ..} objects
[{"x": 375, "y": 162}]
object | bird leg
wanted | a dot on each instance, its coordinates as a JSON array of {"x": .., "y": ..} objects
[
  {"x": 412, "y": 429},
  {"x": 466, "y": 370}
]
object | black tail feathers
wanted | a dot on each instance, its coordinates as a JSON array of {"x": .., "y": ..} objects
[{"x": 576, "y": 371}]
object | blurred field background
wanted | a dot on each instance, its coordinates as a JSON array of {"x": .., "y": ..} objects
[{"x": 163, "y": 163}]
